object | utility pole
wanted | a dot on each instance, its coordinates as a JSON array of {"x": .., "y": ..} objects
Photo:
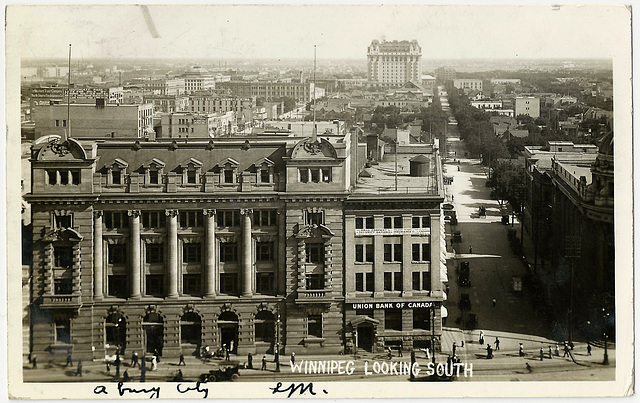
[
  {"x": 572, "y": 251},
  {"x": 396, "y": 154},
  {"x": 69, "y": 96}
]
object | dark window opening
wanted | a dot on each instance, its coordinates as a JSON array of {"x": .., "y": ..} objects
[
  {"x": 155, "y": 286},
  {"x": 228, "y": 218},
  {"x": 191, "y": 219},
  {"x": 64, "y": 177},
  {"x": 63, "y": 286},
  {"x": 191, "y": 284},
  {"x": 264, "y": 326},
  {"x": 264, "y": 176},
  {"x": 62, "y": 221},
  {"x": 426, "y": 281},
  {"x": 415, "y": 281},
  {"x": 315, "y": 218},
  {"x": 397, "y": 281},
  {"x": 314, "y": 253},
  {"x": 229, "y": 283},
  {"x": 421, "y": 319},
  {"x": 265, "y": 251},
  {"x": 154, "y": 177},
  {"x": 315, "y": 281},
  {"x": 52, "y": 176},
  {"x": 314, "y": 325},
  {"x": 75, "y": 176},
  {"x": 116, "y": 178},
  {"x": 228, "y": 252},
  {"x": 63, "y": 331},
  {"x": 153, "y": 219},
  {"x": 117, "y": 285},
  {"x": 117, "y": 254},
  {"x": 154, "y": 253},
  {"x": 393, "y": 319},
  {"x": 264, "y": 283},
  {"x": 191, "y": 252},
  {"x": 191, "y": 328},
  {"x": 63, "y": 256},
  {"x": 228, "y": 176},
  {"x": 191, "y": 177}
]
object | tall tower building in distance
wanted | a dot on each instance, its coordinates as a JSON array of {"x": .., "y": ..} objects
[{"x": 394, "y": 63}]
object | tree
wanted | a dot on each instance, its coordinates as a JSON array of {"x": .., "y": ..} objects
[
  {"x": 507, "y": 184},
  {"x": 289, "y": 103}
]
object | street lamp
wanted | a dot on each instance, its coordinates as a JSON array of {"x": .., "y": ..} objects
[
  {"x": 277, "y": 347},
  {"x": 605, "y": 361}
]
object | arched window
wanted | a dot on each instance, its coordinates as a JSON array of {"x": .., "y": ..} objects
[
  {"x": 264, "y": 326},
  {"x": 115, "y": 330}
]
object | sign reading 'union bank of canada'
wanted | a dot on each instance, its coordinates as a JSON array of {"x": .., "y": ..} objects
[
  {"x": 394, "y": 231},
  {"x": 389, "y": 305}
]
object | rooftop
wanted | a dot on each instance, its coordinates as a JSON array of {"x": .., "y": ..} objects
[{"x": 381, "y": 178}]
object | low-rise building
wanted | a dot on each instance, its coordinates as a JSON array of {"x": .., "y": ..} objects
[{"x": 527, "y": 105}]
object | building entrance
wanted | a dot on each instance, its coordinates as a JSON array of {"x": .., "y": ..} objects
[
  {"x": 228, "y": 330},
  {"x": 365, "y": 337},
  {"x": 153, "y": 327}
]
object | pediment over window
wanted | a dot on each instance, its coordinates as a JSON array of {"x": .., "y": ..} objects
[
  {"x": 262, "y": 162},
  {"x": 191, "y": 163},
  {"x": 314, "y": 231},
  {"x": 67, "y": 234},
  {"x": 117, "y": 163},
  {"x": 228, "y": 162},
  {"x": 153, "y": 163}
]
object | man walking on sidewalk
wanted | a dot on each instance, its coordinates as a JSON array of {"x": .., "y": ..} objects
[
  {"x": 497, "y": 343},
  {"x": 588, "y": 348}
]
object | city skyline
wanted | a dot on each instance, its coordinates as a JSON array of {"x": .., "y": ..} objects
[{"x": 238, "y": 31}]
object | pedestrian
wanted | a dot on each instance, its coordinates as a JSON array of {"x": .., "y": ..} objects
[
  {"x": 470, "y": 249},
  {"x": 541, "y": 354},
  {"x": 249, "y": 361},
  {"x": 588, "y": 348},
  {"x": 69, "y": 361},
  {"x": 550, "y": 355},
  {"x": 264, "y": 363},
  {"x": 34, "y": 361},
  {"x": 143, "y": 369},
  {"x": 79, "y": 370},
  {"x": 293, "y": 358},
  {"x": 117, "y": 364},
  {"x": 388, "y": 352},
  {"x": 179, "y": 376},
  {"x": 231, "y": 347},
  {"x": 154, "y": 363},
  {"x": 452, "y": 198},
  {"x": 134, "y": 359},
  {"x": 489, "y": 352},
  {"x": 481, "y": 339},
  {"x": 521, "y": 350},
  {"x": 493, "y": 302},
  {"x": 125, "y": 376},
  {"x": 566, "y": 350},
  {"x": 528, "y": 368},
  {"x": 182, "y": 360},
  {"x": 453, "y": 348},
  {"x": 497, "y": 343},
  {"x": 557, "y": 350},
  {"x": 226, "y": 353}
]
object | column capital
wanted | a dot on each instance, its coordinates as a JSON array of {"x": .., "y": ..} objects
[
  {"x": 98, "y": 213},
  {"x": 171, "y": 213},
  {"x": 246, "y": 211},
  {"x": 209, "y": 212},
  {"x": 134, "y": 213}
]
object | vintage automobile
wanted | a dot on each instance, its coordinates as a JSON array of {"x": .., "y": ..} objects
[{"x": 230, "y": 373}]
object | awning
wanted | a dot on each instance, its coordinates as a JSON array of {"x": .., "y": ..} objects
[{"x": 443, "y": 311}]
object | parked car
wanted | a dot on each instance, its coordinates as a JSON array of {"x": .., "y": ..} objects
[{"x": 221, "y": 374}]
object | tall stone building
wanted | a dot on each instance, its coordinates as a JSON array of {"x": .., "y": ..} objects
[
  {"x": 173, "y": 245},
  {"x": 394, "y": 63}
]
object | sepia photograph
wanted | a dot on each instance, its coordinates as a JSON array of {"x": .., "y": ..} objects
[{"x": 328, "y": 201}]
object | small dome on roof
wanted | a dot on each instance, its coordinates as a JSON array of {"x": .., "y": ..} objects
[{"x": 419, "y": 158}]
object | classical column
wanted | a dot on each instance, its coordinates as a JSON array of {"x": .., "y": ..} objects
[
  {"x": 210, "y": 253},
  {"x": 246, "y": 251},
  {"x": 97, "y": 255},
  {"x": 172, "y": 254},
  {"x": 134, "y": 264}
]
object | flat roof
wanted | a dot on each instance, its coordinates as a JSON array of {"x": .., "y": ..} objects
[{"x": 381, "y": 179}]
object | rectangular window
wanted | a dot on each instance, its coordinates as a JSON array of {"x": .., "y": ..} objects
[
  {"x": 397, "y": 252},
  {"x": 63, "y": 331},
  {"x": 314, "y": 253},
  {"x": 61, "y": 221},
  {"x": 265, "y": 282},
  {"x": 397, "y": 222},
  {"x": 415, "y": 281},
  {"x": 388, "y": 279},
  {"x": 191, "y": 252},
  {"x": 264, "y": 251},
  {"x": 63, "y": 256},
  {"x": 154, "y": 285},
  {"x": 191, "y": 219},
  {"x": 315, "y": 281},
  {"x": 117, "y": 254},
  {"x": 415, "y": 252},
  {"x": 57, "y": 123},
  {"x": 75, "y": 176},
  {"x": 191, "y": 176},
  {"x": 369, "y": 281},
  {"x": 388, "y": 256},
  {"x": 359, "y": 253},
  {"x": 116, "y": 178},
  {"x": 388, "y": 222},
  {"x": 64, "y": 176},
  {"x": 265, "y": 218},
  {"x": 426, "y": 252},
  {"x": 315, "y": 175},
  {"x": 314, "y": 325},
  {"x": 154, "y": 253},
  {"x": 264, "y": 176},
  {"x": 426, "y": 281},
  {"x": 191, "y": 284},
  {"x": 116, "y": 219},
  {"x": 52, "y": 176},
  {"x": 397, "y": 281},
  {"x": 326, "y": 174},
  {"x": 315, "y": 218},
  {"x": 153, "y": 219},
  {"x": 393, "y": 319},
  {"x": 359, "y": 281},
  {"x": 228, "y": 176},
  {"x": 228, "y": 218},
  {"x": 228, "y": 252},
  {"x": 63, "y": 286},
  {"x": 154, "y": 177},
  {"x": 426, "y": 222},
  {"x": 117, "y": 285},
  {"x": 421, "y": 319},
  {"x": 415, "y": 222},
  {"x": 229, "y": 283},
  {"x": 304, "y": 175}
]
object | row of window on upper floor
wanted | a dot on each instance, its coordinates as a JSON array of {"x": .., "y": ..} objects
[
  {"x": 393, "y": 222},
  {"x": 420, "y": 281},
  {"x": 190, "y": 176},
  {"x": 420, "y": 252}
]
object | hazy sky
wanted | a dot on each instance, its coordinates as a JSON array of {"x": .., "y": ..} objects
[{"x": 290, "y": 31}]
